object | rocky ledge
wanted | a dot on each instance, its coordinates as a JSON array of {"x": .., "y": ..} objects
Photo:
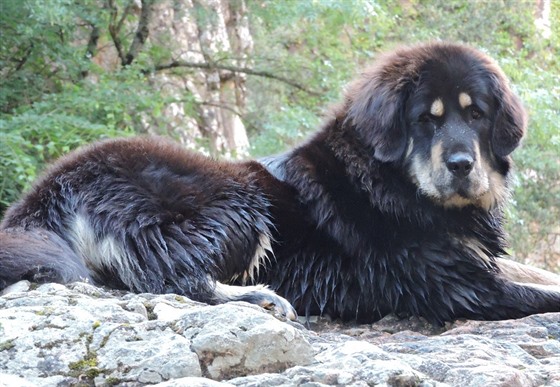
[{"x": 55, "y": 335}]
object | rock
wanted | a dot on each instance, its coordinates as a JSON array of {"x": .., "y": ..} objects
[
  {"x": 55, "y": 335},
  {"x": 235, "y": 339},
  {"x": 21, "y": 286},
  {"x": 193, "y": 382},
  {"x": 7, "y": 380}
]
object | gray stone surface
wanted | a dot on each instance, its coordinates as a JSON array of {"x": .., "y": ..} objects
[{"x": 55, "y": 335}]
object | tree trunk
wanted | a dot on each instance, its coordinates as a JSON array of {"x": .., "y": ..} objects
[
  {"x": 542, "y": 18},
  {"x": 204, "y": 31}
]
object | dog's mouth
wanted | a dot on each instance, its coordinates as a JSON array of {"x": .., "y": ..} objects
[
  {"x": 451, "y": 191},
  {"x": 459, "y": 195},
  {"x": 467, "y": 192},
  {"x": 463, "y": 188},
  {"x": 451, "y": 194}
]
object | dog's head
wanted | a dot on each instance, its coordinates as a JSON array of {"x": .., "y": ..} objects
[{"x": 447, "y": 113}]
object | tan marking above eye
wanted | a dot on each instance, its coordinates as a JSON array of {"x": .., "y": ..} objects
[
  {"x": 465, "y": 100},
  {"x": 437, "y": 108}
]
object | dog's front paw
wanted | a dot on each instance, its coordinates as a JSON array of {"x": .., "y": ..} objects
[
  {"x": 258, "y": 295},
  {"x": 269, "y": 300}
]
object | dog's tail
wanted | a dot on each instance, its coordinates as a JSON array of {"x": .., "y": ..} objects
[{"x": 38, "y": 256}]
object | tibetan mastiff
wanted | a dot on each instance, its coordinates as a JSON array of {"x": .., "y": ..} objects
[{"x": 393, "y": 206}]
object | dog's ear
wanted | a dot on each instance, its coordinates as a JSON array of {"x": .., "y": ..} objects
[
  {"x": 511, "y": 119},
  {"x": 375, "y": 108}
]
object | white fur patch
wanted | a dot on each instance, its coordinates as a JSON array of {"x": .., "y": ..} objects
[
  {"x": 410, "y": 147},
  {"x": 232, "y": 292},
  {"x": 437, "y": 109},
  {"x": 99, "y": 253},
  {"x": 261, "y": 254},
  {"x": 465, "y": 100}
]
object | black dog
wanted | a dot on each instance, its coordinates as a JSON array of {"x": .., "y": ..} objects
[{"x": 393, "y": 206}]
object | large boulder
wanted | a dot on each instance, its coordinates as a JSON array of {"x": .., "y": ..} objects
[{"x": 55, "y": 335}]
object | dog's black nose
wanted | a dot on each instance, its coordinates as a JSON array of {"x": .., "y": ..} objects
[{"x": 460, "y": 164}]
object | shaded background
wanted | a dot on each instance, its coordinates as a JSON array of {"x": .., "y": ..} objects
[{"x": 246, "y": 78}]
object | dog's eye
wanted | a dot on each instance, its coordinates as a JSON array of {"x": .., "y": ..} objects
[
  {"x": 426, "y": 117},
  {"x": 476, "y": 114}
]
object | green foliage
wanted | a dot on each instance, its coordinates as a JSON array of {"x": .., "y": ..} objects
[
  {"x": 494, "y": 25},
  {"x": 33, "y": 50},
  {"x": 79, "y": 113},
  {"x": 534, "y": 217},
  {"x": 53, "y": 97},
  {"x": 318, "y": 43},
  {"x": 286, "y": 128}
]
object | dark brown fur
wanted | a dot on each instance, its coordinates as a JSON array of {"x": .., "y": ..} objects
[{"x": 394, "y": 206}]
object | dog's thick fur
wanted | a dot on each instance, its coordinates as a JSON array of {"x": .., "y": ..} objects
[{"x": 394, "y": 206}]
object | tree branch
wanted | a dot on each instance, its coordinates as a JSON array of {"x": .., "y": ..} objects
[
  {"x": 142, "y": 32},
  {"x": 114, "y": 30},
  {"x": 248, "y": 124},
  {"x": 21, "y": 62},
  {"x": 235, "y": 69},
  {"x": 125, "y": 13},
  {"x": 91, "y": 49}
]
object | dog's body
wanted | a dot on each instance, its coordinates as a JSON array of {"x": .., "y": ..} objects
[{"x": 394, "y": 206}]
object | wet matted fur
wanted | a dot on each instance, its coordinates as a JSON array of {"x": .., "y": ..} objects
[{"x": 393, "y": 206}]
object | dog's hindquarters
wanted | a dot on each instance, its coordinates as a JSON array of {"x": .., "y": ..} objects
[
  {"x": 143, "y": 215},
  {"x": 38, "y": 256}
]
